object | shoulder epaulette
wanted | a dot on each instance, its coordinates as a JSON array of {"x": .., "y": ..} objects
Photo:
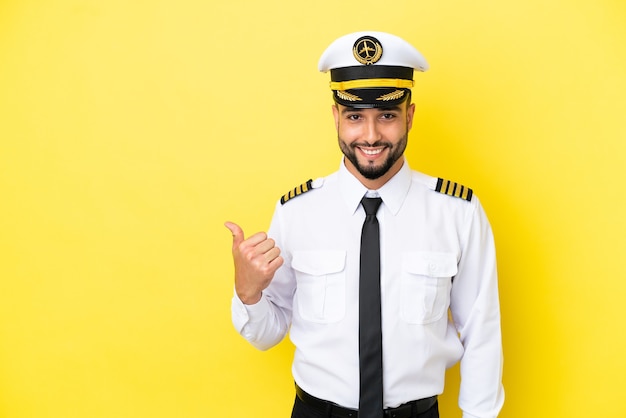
[
  {"x": 297, "y": 191},
  {"x": 454, "y": 189}
]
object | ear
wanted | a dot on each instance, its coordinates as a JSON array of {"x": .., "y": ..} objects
[
  {"x": 336, "y": 116},
  {"x": 410, "y": 111}
]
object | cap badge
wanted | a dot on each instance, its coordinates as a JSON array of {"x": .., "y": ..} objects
[{"x": 367, "y": 50}]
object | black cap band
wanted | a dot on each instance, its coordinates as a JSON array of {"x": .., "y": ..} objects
[{"x": 370, "y": 71}]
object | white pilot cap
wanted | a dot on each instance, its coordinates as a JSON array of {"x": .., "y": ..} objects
[
  {"x": 395, "y": 52},
  {"x": 371, "y": 69}
]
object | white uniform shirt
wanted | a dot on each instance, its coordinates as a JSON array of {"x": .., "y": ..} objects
[{"x": 437, "y": 254}]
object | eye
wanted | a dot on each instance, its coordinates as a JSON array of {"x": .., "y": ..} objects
[
  {"x": 353, "y": 116},
  {"x": 388, "y": 116}
]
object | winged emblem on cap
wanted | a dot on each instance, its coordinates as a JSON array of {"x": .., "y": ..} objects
[{"x": 367, "y": 50}]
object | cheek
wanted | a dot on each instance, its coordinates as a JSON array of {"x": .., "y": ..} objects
[
  {"x": 397, "y": 130},
  {"x": 387, "y": 133},
  {"x": 347, "y": 133}
]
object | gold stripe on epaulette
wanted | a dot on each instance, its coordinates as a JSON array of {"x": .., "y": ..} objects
[
  {"x": 454, "y": 189},
  {"x": 297, "y": 191}
]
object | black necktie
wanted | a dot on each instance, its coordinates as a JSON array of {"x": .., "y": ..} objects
[{"x": 370, "y": 332}]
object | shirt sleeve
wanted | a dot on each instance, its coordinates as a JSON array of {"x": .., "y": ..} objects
[
  {"x": 475, "y": 309},
  {"x": 266, "y": 323}
]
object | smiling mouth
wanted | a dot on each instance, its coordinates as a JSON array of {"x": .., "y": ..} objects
[{"x": 371, "y": 151}]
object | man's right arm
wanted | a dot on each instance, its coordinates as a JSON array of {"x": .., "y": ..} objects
[{"x": 260, "y": 317}]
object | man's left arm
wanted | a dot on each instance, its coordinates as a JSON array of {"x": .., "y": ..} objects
[{"x": 475, "y": 309}]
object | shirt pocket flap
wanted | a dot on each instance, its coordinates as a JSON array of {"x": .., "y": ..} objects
[
  {"x": 431, "y": 264},
  {"x": 319, "y": 263}
]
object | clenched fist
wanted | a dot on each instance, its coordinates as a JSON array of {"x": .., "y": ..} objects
[{"x": 256, "y": 260}]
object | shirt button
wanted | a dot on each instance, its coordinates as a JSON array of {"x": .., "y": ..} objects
[{"x": 432, "y": 267}]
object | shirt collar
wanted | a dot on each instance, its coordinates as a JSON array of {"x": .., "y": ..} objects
[{"x": 393, "y": 192}]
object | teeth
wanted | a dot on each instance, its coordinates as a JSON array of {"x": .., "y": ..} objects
[{"x": 372, "y": 151}]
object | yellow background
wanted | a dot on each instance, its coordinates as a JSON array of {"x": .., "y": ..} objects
[{"x": 131, "y": 130}]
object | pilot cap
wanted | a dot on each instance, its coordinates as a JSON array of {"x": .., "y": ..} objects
[{"x": 371, "y": 69}]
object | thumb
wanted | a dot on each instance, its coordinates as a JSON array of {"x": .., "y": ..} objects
[{"x": 236, "y": 231}]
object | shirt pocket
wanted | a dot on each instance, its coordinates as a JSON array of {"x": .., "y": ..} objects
[
  {"x": 321, "y": 285},
  {"x": 425, "y": 285}
]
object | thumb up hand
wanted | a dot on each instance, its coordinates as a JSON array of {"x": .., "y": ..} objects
[{"x": 256, "y": 260}]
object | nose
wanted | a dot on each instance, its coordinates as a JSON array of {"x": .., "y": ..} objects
[{"x": 372, "y": 132}]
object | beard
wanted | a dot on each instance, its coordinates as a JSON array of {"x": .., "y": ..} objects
[{"x": 371, "y": 171}]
